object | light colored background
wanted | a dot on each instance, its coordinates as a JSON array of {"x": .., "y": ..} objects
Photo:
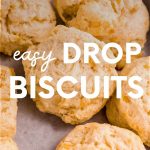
[{"x": 39, "y": 131}]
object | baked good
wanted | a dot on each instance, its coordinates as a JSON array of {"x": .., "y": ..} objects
[
  {"x": 77, "y": 109},
  {"x": 7, "y": 144},
  {"x": 119, "y": 21},
  {"x": 133, "y": 113},
  {"x": 24, "y": 23},
  {"x": 95, "y": 136},
  {"x": 8, "y": 107}
]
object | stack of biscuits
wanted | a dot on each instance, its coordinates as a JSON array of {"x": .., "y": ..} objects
[{"x": 31, "y": 25}]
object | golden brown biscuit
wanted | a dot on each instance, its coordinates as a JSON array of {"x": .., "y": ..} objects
[
  {"x": 8, "y": 107},
  {"x": 78, "y": 109},
  {"x": 7, "y": 144},
  {"x": 94, "y": 136},
  {"x": 23, "y": 23},
  {"x": 119, "y": 21},
  {"x": 133, "y": 113}
]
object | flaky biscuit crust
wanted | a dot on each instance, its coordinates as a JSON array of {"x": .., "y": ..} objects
[
  {"x": 78, "y": 109},
  {"x": 24, "y": 23},
  {"x": 133, "y": 113},
  {"x": 7, "y": 144},
  {"x": 8, "y": 107},
  {"x": 119, "y": 21},
  {"x": 94, "y": 136}
]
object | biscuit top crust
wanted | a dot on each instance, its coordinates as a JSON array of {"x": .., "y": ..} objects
[
  {"x": 137, "y": 110},
  {"x": 58, "y": 69},
  {"x": 141, "y": 68},
  {"x": 25, "y": 22},
  {"x": 118, "y": 21},
  {"x": 7, "y": 144},
  {"x": 8, "y": 107},
  {"x": 130, "y": 112},
  {"x": 94, "y": 136},
  {"x": 77, "y": 109},
  {"x": 5, "y": 74}
]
